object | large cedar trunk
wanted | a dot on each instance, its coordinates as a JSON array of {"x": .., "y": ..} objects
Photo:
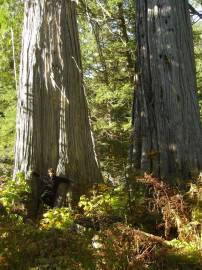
[
  {"x": 53, "y": 128},
  {"x": 167, "y": 128}
]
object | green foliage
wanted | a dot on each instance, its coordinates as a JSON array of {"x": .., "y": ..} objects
[
  {"x": 11, "y": 12},
  {"x": 14, "y": 194},
  {"x": 59, "y": 218},
  {"x": 105, "y": 200},
  {"x": 56, "y": 242},
  {"x": 25, "y": 247},
  {"x": 182, "y": 255},
  {"x": 108, "y": 77}
]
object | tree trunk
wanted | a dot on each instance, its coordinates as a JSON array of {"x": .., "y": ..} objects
[
  {"x": 62, "y": 196},
  {"x": 123, "y": 27},
  {"x": 167, "y": 128},
  {"x": 53, "y": 128}
]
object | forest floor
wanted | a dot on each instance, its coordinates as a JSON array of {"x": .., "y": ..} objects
[{"x": 141, "y": 224}]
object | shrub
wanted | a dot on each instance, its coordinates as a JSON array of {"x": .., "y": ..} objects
[{"x": 60, "y": 218}]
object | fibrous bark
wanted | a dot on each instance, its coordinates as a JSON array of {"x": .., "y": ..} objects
[
  {"x": 53, "y": 128},
  {"x": 167, "y": 128}
]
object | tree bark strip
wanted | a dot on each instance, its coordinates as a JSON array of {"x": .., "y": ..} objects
[
  {"x": 53, "y": 128},
  {"x": 167, "y": 128}
]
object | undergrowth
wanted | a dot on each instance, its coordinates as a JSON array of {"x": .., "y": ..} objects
[{"x": 145, "y": 224}]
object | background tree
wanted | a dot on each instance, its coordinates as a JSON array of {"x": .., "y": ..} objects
[
  {"x": 10, "y": 39},
  {"x": 108, "y": 45},
  {"x": 53, "y": 127},
  {"x": 107, "y": 34},
  {"x": 110, "y": 104},
  {"x": 167, "y": 128}
]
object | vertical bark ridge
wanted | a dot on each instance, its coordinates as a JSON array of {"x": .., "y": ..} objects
[
  {"x": 53, "y": 128},
  {"x": 167, "y": 113}
]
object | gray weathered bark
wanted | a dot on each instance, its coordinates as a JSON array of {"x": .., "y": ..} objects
[
  {"x": 167, "y": 128},
  {"x": 53, "y": 127}
]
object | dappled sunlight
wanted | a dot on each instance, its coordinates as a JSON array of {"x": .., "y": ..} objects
[
  {"x": 133, "y": 199},
  {"x": 108, "y": 230}
]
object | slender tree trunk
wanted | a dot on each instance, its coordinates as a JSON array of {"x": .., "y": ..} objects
[
  {"x": 53, "y": 127},
  {"x": 123, "y": 27},
  {"x": 14, "y": 59},
  {"x": 167, "y": 128}
]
